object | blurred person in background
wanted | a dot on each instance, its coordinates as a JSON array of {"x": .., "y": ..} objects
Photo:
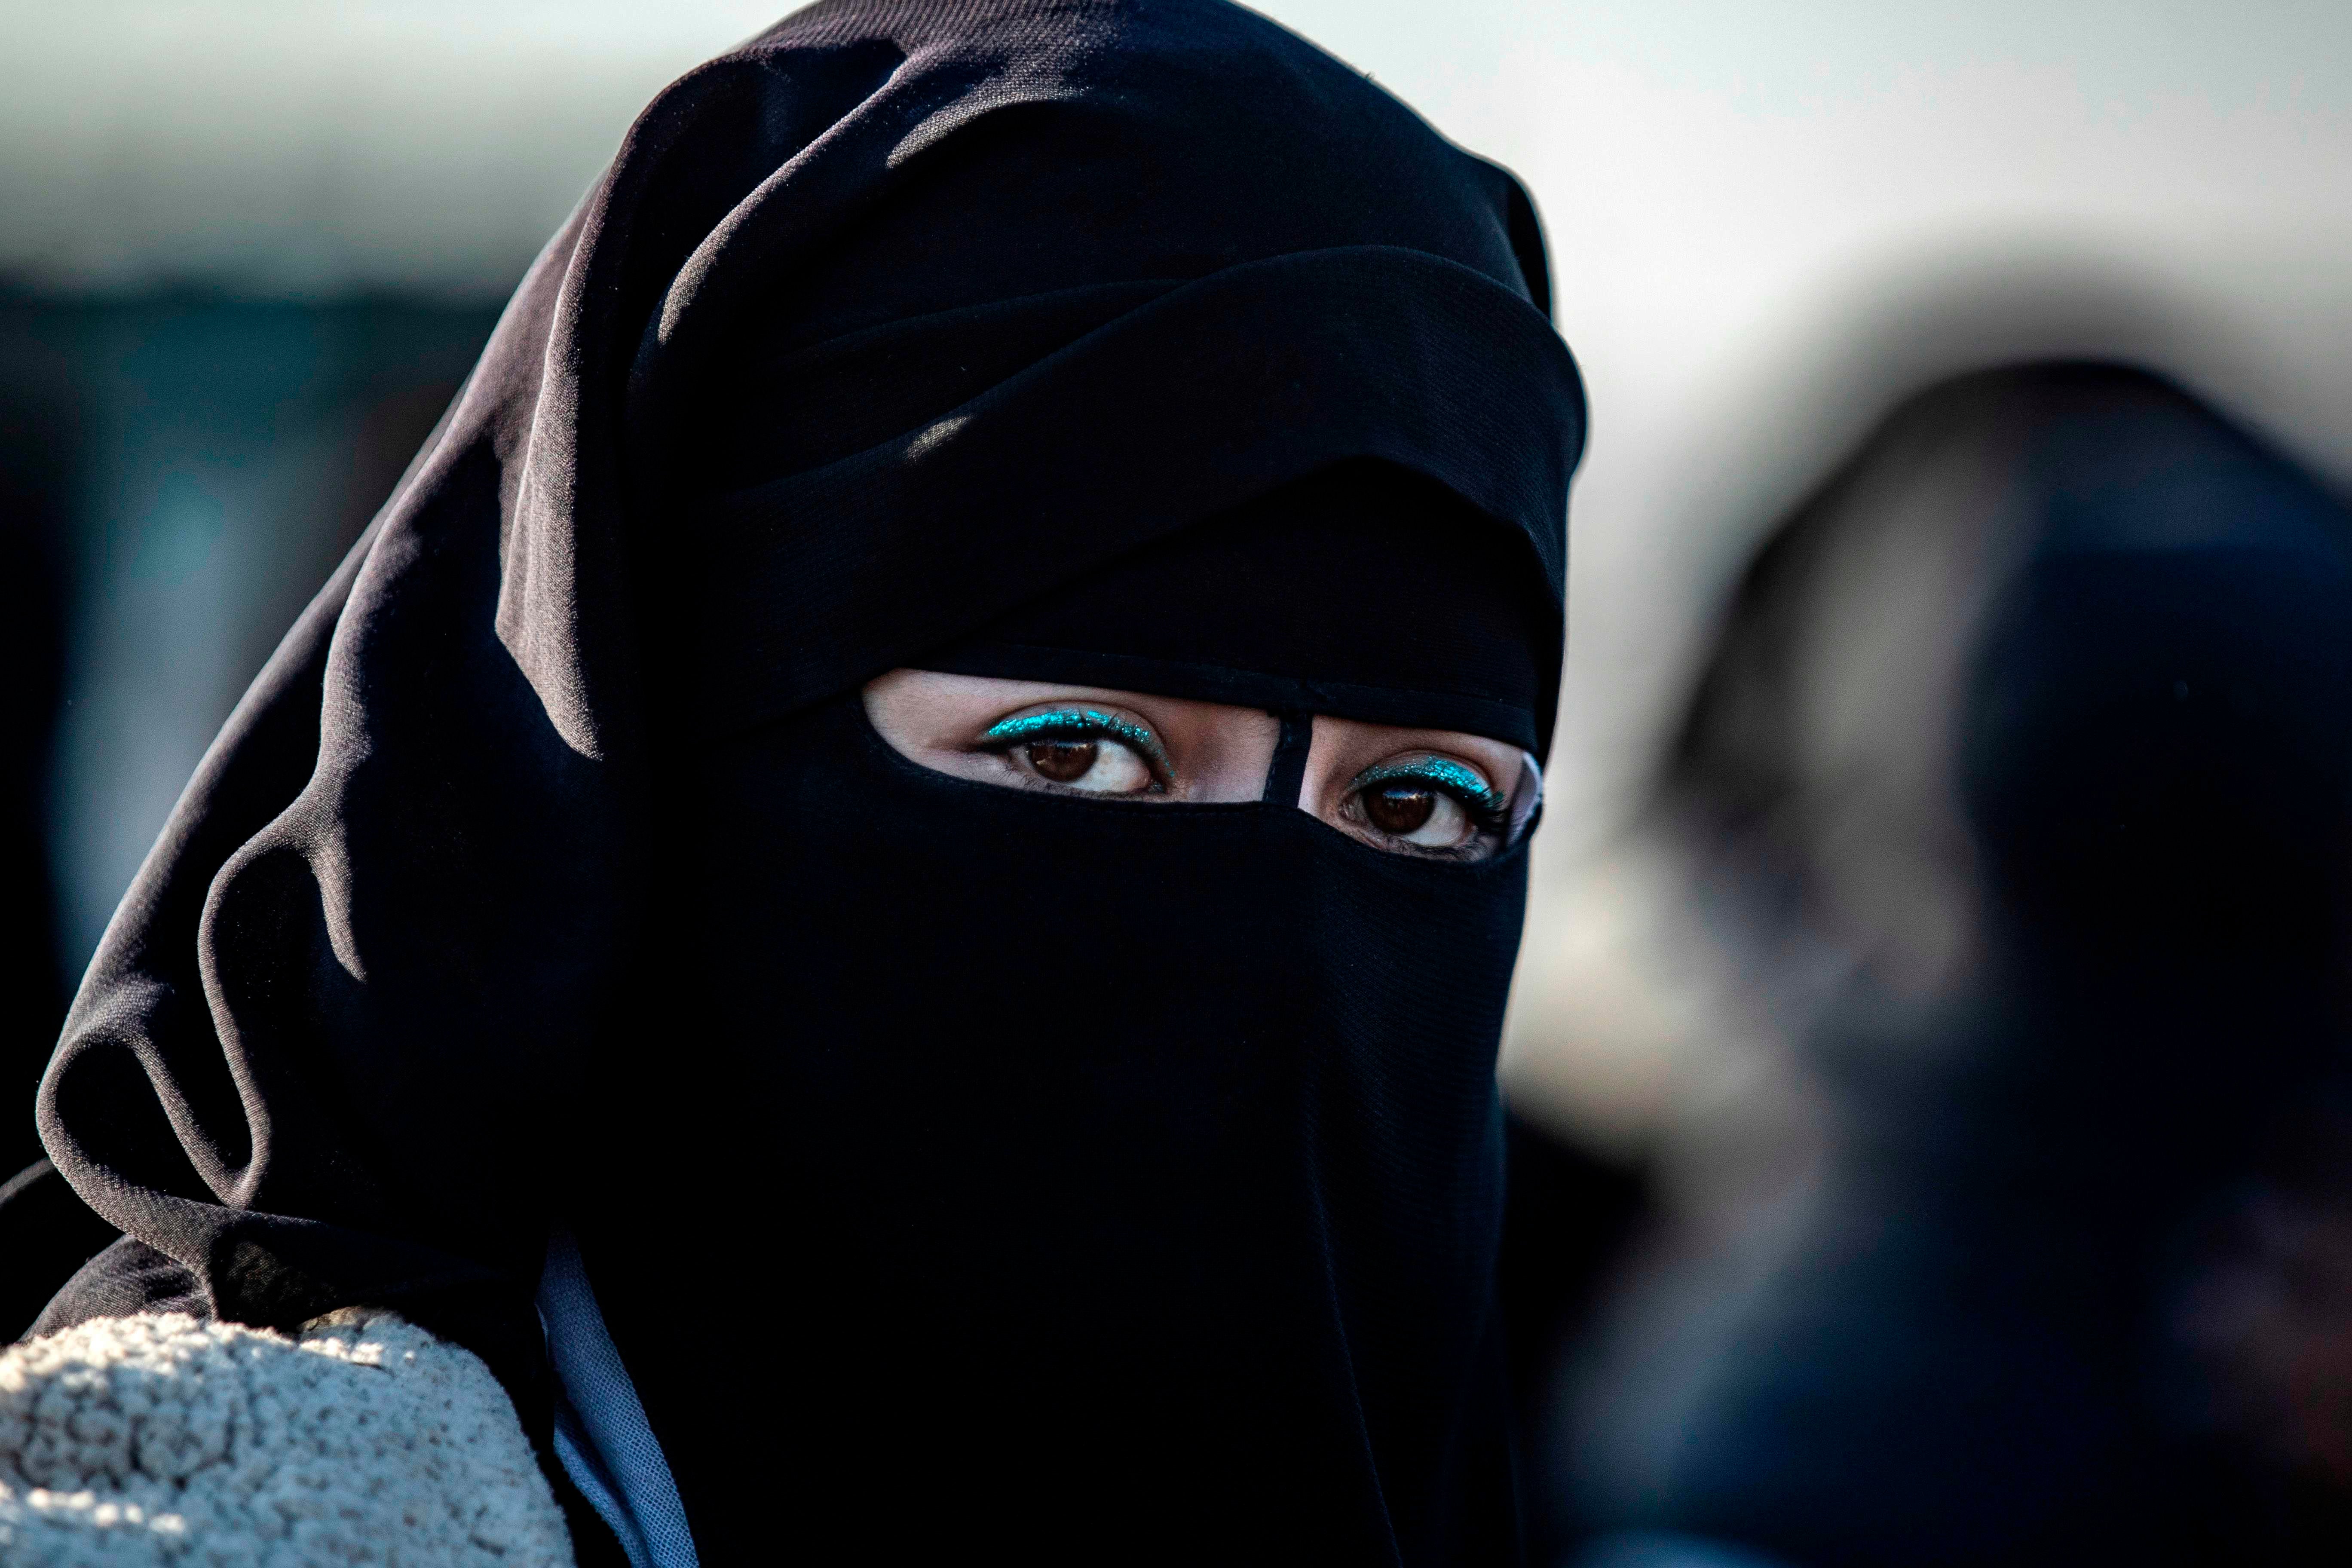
[
  {"x": 888, "y": 881},
  {"x": 2022, "y": 777}
]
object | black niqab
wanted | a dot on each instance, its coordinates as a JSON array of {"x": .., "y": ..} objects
[{"x": 954, "y": 1165}]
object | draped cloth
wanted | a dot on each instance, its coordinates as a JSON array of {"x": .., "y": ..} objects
[{"x": 877, "y": 328}]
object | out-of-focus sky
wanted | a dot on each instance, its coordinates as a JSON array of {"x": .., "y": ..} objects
[{"x": 1760, "y": 216}]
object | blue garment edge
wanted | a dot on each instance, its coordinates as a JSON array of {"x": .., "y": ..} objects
[{"x": 602, "y": 1436}]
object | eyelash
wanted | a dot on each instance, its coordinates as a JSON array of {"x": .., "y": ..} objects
[
  {"x": 1489, "y": 813},
  {"x": 1080, "y": 724}
]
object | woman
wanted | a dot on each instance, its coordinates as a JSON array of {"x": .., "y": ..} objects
[
  {"x": 2023, "y": 764},
  {"x": 914, "y": 816}
]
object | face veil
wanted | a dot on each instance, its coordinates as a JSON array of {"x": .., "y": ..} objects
[
  {"x": 1128, "y": 1174},
  {"x": 550, "y": 875}
]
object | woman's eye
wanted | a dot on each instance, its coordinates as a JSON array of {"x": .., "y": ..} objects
[
  {"x": 1065, "y": 762},
  {"x": 1084, "y": 750},
  {"x": 1429, "y": 803},
  {"x": 1097, "y": 764},
  {"x": 1418, "y": 813}
]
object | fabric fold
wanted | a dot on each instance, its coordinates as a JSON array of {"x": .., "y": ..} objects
[{"x": 1271, "y": 370}]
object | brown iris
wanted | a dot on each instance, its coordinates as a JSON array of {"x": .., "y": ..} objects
[
  {"x": 1400, "y": 808},
  {"x": 1063, "y": 760}
]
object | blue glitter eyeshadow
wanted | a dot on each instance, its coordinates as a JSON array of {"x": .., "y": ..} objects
[
  {"x": 1077, "y": 725},
  {"x": 1462, "y": 784}
]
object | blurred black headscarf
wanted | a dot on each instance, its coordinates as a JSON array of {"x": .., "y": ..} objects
[
  {"x": 954, "y": 1165},
  {"x": 2037, "y": 718}
]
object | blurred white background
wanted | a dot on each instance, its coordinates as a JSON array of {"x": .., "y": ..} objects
[{"x": 1761, "y": 218}]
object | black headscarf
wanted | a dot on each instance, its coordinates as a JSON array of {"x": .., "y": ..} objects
[{"x": 955, "y": 1165}]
